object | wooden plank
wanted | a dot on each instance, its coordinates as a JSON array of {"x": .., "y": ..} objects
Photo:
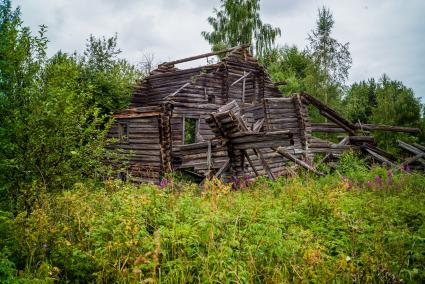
[
  {"x": 222, "y": 169},
  {"x": 264, "y": 162},
  {"x": 413, "y": 159},
  {"x": 333, "y": 128},
  {"x": 282, "y": 151},
  {"x": 330, "y": 113},
  {"x": 177, "y": 91},
  {"x": 409, "y": 147},
  {"x": 380, "y": 158},
  {"x": 209, "y": 54},
  {"x": 241, "y": 78},
  {"x": 419, "y": 146},
  {"x": 250, "y": 162}
]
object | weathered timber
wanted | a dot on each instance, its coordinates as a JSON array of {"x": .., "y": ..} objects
[
  {"x": 209, "y": 54},
  {"x": 240, "y": 116},
  {"x": 380, "y": 158},
  {"x": 330, "y": 113},
  {"x": 282, "y": 151},
  {"x": 413, "y": 159},
  {"x": 331, "y": 127}
]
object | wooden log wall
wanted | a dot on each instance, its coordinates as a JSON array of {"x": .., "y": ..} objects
[
  {"x": 288, "y": 114},
  {"x": 156, "y": 87},
  {"x": 195, "y": 156},
  {"x": 165, "y": 138},
  {"x": 256, "y": 84},
  {"x": 257, "y": 149},
  {"x": 142, "y": 147},
  {"x": 197, "y": 111}
]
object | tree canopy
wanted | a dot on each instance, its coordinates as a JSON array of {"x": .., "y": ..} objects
[{"x": 238, "y": 22}]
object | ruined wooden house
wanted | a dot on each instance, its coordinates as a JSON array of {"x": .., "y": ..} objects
[{"x": 224, "y": 119}]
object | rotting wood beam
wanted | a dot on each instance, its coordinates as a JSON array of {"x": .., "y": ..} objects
[
  {"x": 222, "y": 169},
  {"x": 330, "y": 113},
  {"x": 413, "y": 159},
  {"x": 177, "y": 91},
  {"x": 282, "y": 151},
  {"x": 241, "y": 78},
  {"x": 331, "y": 127},
  {"x": 380, "y": 158},
  {"x": 200, "y": 56},
  {"x": 409, "y": 147},
  {"x": 419, "y": 146},
  {"x": 250, "y": 162},
  {"x": 344, "y": 141},
  {"x": 264, "y": 163}
]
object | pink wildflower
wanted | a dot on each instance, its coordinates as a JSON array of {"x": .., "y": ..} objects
[{"x": 163, "y": 183}]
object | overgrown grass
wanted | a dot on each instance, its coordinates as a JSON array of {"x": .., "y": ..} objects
[{"x": 348, "y": 226}]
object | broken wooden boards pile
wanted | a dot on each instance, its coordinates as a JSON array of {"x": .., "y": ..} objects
[
  {"x": 358, "y": 137},
  {"x": 241, "y": 149},
  {"x": 240, "y": 121},
  {"x": 416, "y": 162}
]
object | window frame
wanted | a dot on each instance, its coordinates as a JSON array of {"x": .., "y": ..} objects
[{"x": 196, "y": 131}]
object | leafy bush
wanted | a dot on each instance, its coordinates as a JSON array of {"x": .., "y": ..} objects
[{"x": 290, "y": 230}]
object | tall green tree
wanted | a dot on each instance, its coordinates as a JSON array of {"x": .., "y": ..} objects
[
  {"x": 21, "y": 60},
  {"x": 396, "y": 104},
  {"x": 289, "y": 66},
  {"x": 53, "y": 111},
  {"x": 238, "y": 22},
  {"x": 332, "y": 57},
  {"x": 109, "y": 78}
]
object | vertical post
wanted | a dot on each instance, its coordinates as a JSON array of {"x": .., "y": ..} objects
[
  {"x": 183, "y": 129},
  {"x": 243, "y": 88},
  {"x": 164, "y": 129},
  {"x": 301, "y": 122},
  {"x": 209, "y": 159}
]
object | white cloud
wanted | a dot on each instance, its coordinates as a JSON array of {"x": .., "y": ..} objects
[{"x": 384, "y": 36}]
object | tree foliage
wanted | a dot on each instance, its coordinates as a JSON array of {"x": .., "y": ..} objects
[
  {"x": 52, "y": 110},
  {"x": 384, "y": 102},
  {"x": 238, "y": 22},
  {"x": 109, "y": 78},
  {"x": 361, "y": 100},
  {"x": 333, "y": 57}
]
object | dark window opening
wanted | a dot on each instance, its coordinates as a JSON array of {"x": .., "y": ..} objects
[
  {"x": 189, "y": 130},
  {"x": 123, "y": 132},
  {"x": 211, "y": 99}
]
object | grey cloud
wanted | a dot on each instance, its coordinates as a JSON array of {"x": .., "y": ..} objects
[{"x": 384, "y": 36}]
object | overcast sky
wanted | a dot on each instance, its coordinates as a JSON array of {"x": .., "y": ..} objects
[{"x": 385, "y": 36}]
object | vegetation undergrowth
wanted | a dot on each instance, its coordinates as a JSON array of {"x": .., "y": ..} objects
[{"x": 355, "y": 224}]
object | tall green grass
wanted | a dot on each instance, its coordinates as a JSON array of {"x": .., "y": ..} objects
[{"x": 347, "y": 226}]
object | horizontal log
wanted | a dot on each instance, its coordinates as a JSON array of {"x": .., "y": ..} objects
[
  {"x": 209, "y": 54},
  {"x": 333, "y": 128}
]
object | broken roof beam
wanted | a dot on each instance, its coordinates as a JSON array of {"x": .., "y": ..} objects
[
  {"x": 379, "y": 151},
  {"x": 380, "y": 158},
  {"x": 410, "y": 160},
  {"x": 409, "y": 148},
  {"x": 241, "y": 78},
  {"x": 200, "y": 56},
  {"x": 419, "y": 146},
  {"x": 330, "y": 113}
]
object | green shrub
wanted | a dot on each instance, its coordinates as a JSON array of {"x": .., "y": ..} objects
[{"x": 298, "y": 229}]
